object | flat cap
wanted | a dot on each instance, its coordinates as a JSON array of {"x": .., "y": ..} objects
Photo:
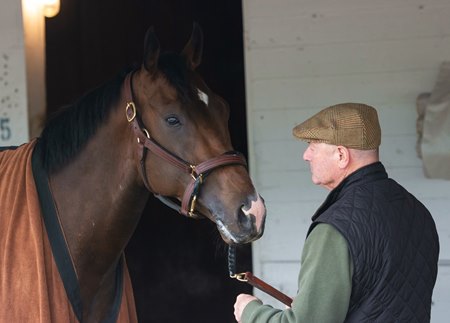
[{"x": 352, "y": 125}]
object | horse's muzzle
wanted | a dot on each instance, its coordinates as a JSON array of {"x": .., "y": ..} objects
[{"x": 248, "y": 225}]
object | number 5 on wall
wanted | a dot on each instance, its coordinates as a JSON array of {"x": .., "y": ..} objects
[{"x": 5, "y": 130}]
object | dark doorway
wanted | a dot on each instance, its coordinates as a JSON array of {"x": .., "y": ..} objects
[{"x": 178, "y": 265}]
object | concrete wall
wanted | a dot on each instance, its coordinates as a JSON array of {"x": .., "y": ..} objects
[{"x": 306, "y": 54}]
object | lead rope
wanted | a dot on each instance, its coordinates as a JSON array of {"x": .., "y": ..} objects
[
  {"x": 249, "y": 278},
  {"x": 232, "y": 261}
]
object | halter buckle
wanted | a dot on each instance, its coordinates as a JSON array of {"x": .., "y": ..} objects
[
  {"x": 192, "y": 208},
  {"x": 133, "y": 111},
  {"x": 145, "y": 131},
  {"x": 241, "y": 277},
  {"x": 194, "y": 174}
]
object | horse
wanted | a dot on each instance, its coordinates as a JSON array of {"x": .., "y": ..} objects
[{"x": 83, "y": 184}]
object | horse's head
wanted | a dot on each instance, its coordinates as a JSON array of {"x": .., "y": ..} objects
[{"x": 184, "y": 146}]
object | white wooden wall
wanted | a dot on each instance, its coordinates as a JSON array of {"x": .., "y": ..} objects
[
  {"x": 13, "y": 91},
  {"x": 303, "y": 55},
  {"x": 22, "y": 71}
]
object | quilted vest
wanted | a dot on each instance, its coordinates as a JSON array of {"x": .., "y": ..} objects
[{"x": 393, "y": 244}]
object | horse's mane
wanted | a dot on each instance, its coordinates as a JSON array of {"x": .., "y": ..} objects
[{"x": 68, "y": 131}]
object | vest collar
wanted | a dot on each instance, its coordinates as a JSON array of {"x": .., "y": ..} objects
[{"x": 368, "y": 173}]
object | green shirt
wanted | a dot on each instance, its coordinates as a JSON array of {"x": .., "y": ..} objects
[{"x": 324, "y": 283}]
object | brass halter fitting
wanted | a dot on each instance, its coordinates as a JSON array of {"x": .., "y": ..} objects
[
  {"x": 192, "y": 208},
  {"x": 241, "y": 277},
  {"x": 199, "y": 178},
  {"x": 130, "y": 105},
  {"x": 146, "y": 132},
  {"x": 194, "y": 174}
]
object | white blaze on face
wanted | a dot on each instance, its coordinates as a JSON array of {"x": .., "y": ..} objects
[
  {"x": 257, "y": 209},
  {"x": 203, "y": 96}
]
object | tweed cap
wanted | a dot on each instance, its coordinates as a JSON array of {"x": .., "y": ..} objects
[{"x": 352, "y": 125}]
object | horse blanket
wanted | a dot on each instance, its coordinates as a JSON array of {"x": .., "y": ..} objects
[{"x": 37, "y": 279}]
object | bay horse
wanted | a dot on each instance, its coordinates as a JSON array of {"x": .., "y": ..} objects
[{"x": 84, "y": 183}]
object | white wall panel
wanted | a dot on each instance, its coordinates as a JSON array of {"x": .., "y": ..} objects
[
  {"x": 308, "y": 60},
  {"x": 288, "y": 8},
  {"x": 373, "y": 88},
  {"x": 13, "y": 91},
  {"x": 322, "y": 27},
  {"x": 291, "y": 219}
]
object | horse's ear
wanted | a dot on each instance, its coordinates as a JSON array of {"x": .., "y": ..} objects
[
  {"x": 151, "y": 51},
  {"x": 194, "y": 48}
]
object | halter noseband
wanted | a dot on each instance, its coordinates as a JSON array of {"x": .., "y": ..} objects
[{"x": 197, "y": 172}]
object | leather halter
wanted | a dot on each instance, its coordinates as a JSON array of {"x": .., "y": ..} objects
[{"x": 197, "y": 172}]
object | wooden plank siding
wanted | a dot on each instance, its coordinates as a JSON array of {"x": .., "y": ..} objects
[
  {"x": 302, "y": 55},
  {"x": 13, "y": 82}
]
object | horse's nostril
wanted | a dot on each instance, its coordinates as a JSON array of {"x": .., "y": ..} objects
[
  {"x": 255, "y": 213},
  {"x": 244, "y": 219}
]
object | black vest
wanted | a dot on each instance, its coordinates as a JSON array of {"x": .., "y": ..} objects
[{"x": 393, "y": 244}]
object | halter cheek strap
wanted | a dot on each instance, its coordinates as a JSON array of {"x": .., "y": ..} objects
[{"x": 197, "y": 173}]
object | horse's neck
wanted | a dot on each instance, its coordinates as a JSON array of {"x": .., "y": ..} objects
[{"x": 99, "y": 201}]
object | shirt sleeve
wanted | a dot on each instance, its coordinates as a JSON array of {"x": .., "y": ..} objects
[{"x": 324, "y": 283}]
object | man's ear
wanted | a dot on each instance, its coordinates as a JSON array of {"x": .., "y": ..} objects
[{"x": 343, "y": 156}]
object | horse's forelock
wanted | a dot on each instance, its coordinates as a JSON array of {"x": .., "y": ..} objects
[{"x": 174, "y": 68}]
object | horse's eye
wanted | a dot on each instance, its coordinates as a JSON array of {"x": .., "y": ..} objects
[{"x": 173, "y": 121}]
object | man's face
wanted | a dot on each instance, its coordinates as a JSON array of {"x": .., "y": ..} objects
[{"x": 323, "y": 161}]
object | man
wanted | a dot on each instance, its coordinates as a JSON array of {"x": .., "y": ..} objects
[{"x": 372, "y": 249}]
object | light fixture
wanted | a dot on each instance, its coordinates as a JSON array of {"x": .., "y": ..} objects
[
  {"x": 35, "y": 8},
  {"x": 50, "y": 8}
]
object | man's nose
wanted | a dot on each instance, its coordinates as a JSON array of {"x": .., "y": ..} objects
[{"x": 306, "y": 154}]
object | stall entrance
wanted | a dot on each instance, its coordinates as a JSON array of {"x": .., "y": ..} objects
[{"x": 178, "y": 265}]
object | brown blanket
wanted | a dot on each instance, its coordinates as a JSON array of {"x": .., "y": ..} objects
[{"x": 31, "y": 287}]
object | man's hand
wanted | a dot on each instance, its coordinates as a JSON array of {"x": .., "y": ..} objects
[{"x": 241, "y": 302}]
